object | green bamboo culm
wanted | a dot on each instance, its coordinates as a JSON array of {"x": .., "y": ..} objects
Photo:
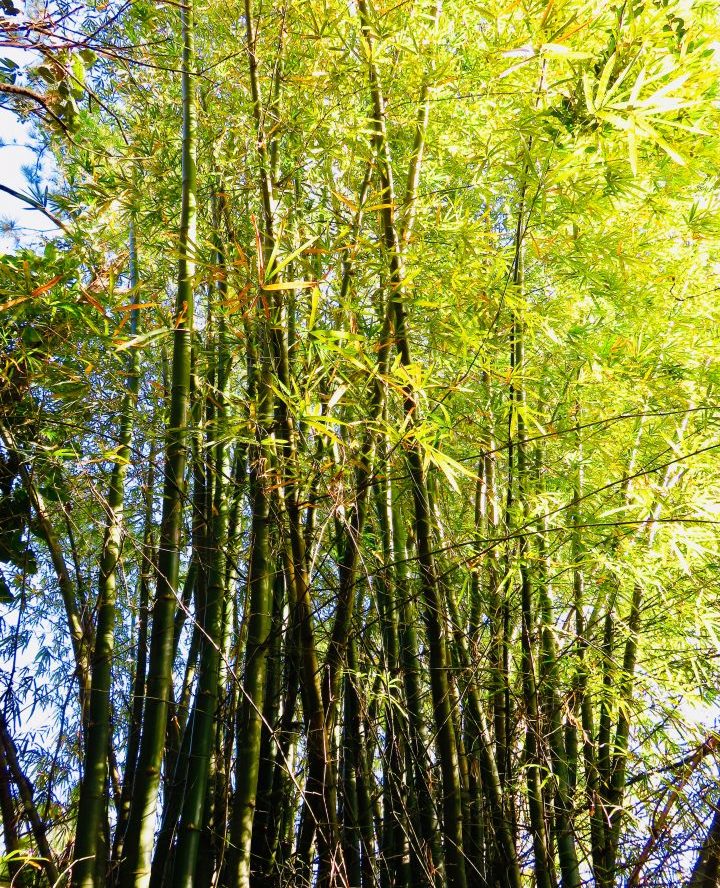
[
  {"x": 89, "y": 867},
  {"x": 430, "y": 593},
  {"x": 135, "y": 867},
  {"x": 544, "y": 868},
  {"x": 205, "y": 705},
  {"x": 272, "y": 357},
  {"x": 249, "y": 720}
]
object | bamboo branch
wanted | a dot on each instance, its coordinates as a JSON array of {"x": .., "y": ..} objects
[
  {"x": 23, "y": 92},
  {"x": 36, "y": 206}
]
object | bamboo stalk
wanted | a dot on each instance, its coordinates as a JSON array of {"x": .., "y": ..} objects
[{"x": 135, "y": 868}]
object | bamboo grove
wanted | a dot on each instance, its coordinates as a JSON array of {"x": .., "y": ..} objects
[{"x": 359, "y": 445}]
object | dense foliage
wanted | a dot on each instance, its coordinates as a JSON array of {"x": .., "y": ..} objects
[{"x": 358, "y": 445}]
